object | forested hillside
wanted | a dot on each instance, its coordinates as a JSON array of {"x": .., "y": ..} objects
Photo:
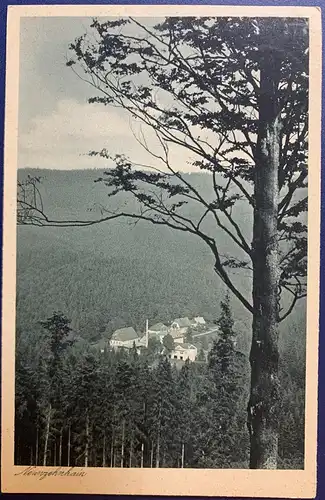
[
  {"x": 110, "y": 275},
  {"x": 116, "y": 274}
]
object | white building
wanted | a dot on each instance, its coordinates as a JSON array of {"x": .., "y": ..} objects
[
  {"x": 177, "y": 336},
  {"x": 184, "y": 352},
  {"x": 180, "y": 326}
]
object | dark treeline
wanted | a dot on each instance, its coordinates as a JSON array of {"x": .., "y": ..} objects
[{"x": 76, "y": 406}]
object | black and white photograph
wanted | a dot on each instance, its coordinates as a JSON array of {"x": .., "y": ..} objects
[{"x": 161, "y": 242}]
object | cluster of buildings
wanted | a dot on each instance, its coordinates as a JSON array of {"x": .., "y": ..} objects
[{"x": 127, "y": 337}]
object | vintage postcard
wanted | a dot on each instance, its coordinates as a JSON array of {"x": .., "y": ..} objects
[{"x": 161, "y": 250}]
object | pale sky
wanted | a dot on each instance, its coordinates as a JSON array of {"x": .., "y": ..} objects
[{"x": 57, "y": 127}]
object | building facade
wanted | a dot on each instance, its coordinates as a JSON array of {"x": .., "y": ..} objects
[{"x": 183, "y": 352}]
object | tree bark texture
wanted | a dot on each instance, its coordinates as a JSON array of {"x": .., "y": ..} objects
[{"x": 264, "y": 355}]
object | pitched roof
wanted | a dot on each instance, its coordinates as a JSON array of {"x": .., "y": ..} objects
[
  {"x": 182, "y": 322},
  {"x": 157, "y": 327},
  {"x": 125, "y": 334},
  {"x": 183, "y": 347}
]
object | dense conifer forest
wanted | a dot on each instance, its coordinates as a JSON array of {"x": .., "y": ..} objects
[
  {"x": 80, "y": 407},
  {"x": 77, "y": 406}
]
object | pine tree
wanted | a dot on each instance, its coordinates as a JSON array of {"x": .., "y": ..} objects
[
  {"x": 86, "y": 404},
  {"x": 189, "y": 336},
  {"x": 145, "y": 397},
  {"x": 168, "y": 342},
  {"x": 184, "y": 413},
  {"x": 57, "y": 329},
  {"x": 105, "y": 414},
  {"x": 201, "y": 355},
  {"x": 223, "y": 355},
  {"x": 224, "y": 395},
  {"x": 26, "y": 445},
  {"x": 162, "y": 414}
]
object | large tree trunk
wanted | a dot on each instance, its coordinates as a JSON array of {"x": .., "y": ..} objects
[{"x": 264, "y": 396}]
